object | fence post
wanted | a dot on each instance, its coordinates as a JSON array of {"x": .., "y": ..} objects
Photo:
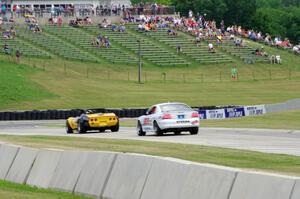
[
  {"x": 87, "y": 72},
  {"x": 220, "y": 76},
  {"x": 128, "y": 76},
  {"x": 270, "y": 74},
  {"x": 65, "y": 69},
  {"x": 183, "y": 77},
  {"x": 290, "y": 74},
  {"x": 202, "y": 78},
  {"x": 164, "y": 77},
  {"x": 145, "y": 75},
  {"x": 253, "y": 76},
  {"x": 44, "y": 67},
  {"x": 108, "y": 75}
]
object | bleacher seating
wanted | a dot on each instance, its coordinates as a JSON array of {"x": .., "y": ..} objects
[
  {"x": 54, "y": 45},
  {"x": 157, "y": 47},
  {"x": 150, "y": 51},
  {"x": 83, "y": 39},
  {"x": 25, "y": 49},
  {"x": 188, "y": 47},
  {"x": 246, "y": 53}
]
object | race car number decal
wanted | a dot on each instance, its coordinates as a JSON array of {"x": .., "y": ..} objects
[{"x": 146, "y": 121}]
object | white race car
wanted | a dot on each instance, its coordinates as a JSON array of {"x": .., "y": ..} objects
[{"x": 168, "y": 117}]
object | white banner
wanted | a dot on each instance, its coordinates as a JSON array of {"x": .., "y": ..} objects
[
  {"x": 215, "y": 114},
  {"x": 255, "y": 110}
]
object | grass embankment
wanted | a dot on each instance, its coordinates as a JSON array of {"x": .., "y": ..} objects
[
  {"x": 108, "y": 86},
  {"x": 16, "y": 86},
  {"x": 228, "y": 157},
  {"x": 10, "y": 190}
]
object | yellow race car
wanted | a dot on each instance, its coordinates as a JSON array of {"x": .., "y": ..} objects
[{"x": 93, "y": 121}]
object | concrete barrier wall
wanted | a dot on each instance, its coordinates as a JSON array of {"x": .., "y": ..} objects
[
  {"x": 68, "y": 170},
  {"x": 208, "y": 182},
  {"x": 22, "y": 165},
  {"x": 7, "y": 156},
  {"x": 296, "y": 191},
  {"x": 95, "y": 173},
  {"x": 44, "y": 168},
  {"x": 261, "y": 186},
  {"x": 130, "y": 176}
]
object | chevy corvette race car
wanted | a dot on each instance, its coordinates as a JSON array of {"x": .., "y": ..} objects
[
  {"x": 168, "y": 117},
  {"x": 93, "y": 121}
]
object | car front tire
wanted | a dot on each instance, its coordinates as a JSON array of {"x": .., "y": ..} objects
[{"x": 139, "y": 129}]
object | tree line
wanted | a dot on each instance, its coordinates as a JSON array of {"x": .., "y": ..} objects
[{"x": 276, "y": 17}]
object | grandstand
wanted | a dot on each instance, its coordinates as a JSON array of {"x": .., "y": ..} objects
[
  {"x": 149, "y": 50},
  {"x": 189, "y": 48},
  {"x": 157, "y": 47},
  {"x": 83, "y": 39}
]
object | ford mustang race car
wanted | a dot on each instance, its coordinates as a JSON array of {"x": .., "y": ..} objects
[
  {"x": 168, "y": 117},
  {"x": 93, "y": 121}
]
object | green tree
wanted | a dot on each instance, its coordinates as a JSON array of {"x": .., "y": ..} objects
[{"x": 240, "y": 12}]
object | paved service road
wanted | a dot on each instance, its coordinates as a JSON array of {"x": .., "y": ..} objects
[{"x": 271, "y": 141}]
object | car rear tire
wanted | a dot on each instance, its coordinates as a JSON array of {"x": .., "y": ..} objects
[
  {"x": 101, "y": 130},
  {"x": 115, "y": 128},
  {"x": 139, "y": 129},
  {"x": 81, "y": 127},
  {"x": 156, "y": 129},
  {"x": 69, "y": 130},
  {"x": 194, "y": 130}
]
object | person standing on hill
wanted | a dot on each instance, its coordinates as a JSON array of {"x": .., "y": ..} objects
[
  {"x": 234, "y": 73},
  {"x": 18, "y": 56}
]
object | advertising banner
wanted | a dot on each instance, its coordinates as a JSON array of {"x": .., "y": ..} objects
[
  {"x": 215, "y": 114},
  {"x": 234, "y": 112},
  {"x": 202, "y": 114},
  {"x": 255, "y": 110}
]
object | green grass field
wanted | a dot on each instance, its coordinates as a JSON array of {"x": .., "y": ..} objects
[
  {"x": 10, "y": 190},
  {"x": 276, "y": 163},
  {"x": 108, "y": 86}
]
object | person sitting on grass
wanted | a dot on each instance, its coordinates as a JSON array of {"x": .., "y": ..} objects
[
  {"x": 106, "y": 43},
  {"x": 211, "y": 48},
  {"x": 6, "y": 49},
  {"x": 172, "y": 33},
  {"x": 141, "y": 28},
  {"x": 296, "y": 49},
  {"x": 122, "y": 28},
  {"x": 114, "y": 28}
]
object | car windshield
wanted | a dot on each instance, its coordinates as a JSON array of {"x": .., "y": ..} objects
[{"x": 174, "y": 107}]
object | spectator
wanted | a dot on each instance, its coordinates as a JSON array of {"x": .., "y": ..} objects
[
  {"x": 178, "y": 48},
  {"x": 6, "y": 48},
  {"x": 18, "y": 56},
  {"x": 211, "y": 48},
  {"x": 234, "y": 73},
  {"x": 59, "y": 21},
  {"x": 277, "y": 59},
  {"x": 106, "y": 43},
  {"x": 296, "y": 49}
]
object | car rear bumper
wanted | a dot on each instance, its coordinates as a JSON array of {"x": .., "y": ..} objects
[{"x": 178, "y": 124}]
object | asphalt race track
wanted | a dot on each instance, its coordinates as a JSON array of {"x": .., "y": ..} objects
[{"x": 264, "y": 140}]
